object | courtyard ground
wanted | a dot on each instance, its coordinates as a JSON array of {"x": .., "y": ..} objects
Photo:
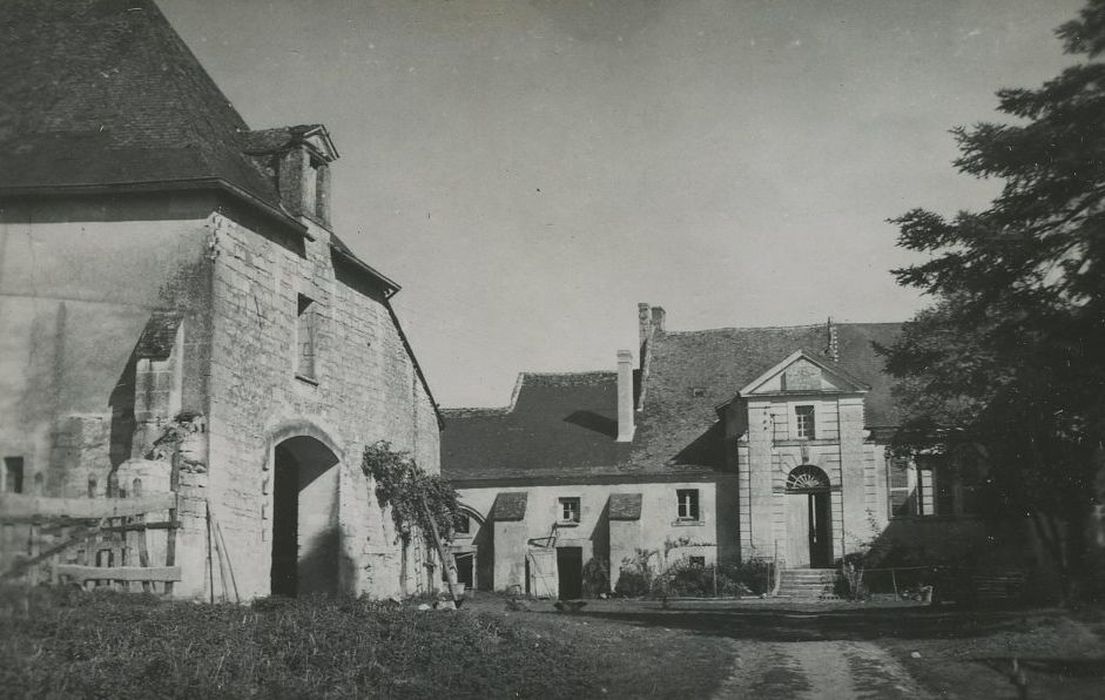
[
  {"x": 887, "y": 649},
  {"x": 76, "y": 644}
]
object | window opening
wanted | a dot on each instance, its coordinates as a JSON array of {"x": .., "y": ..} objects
[
  {"x": 569, "y": 510},
  {"x": 306, "y": 330},
  {"x": 462, "y": 524},
  {"x": 805, "y": 417},
  {"x": 13, "y": 475},
  {"x": 687, "y": 503}
]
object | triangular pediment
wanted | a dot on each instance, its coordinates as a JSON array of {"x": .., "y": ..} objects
[{"x": 801, "y": 373}]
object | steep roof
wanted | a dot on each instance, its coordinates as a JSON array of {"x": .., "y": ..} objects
[
  {"x": 563, "y": 426},
  {"x": 692, "y": 372},
  {"x": 101, "y": 93}
]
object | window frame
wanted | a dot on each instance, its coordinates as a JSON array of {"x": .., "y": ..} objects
[
  {"x": 805, "y": 422},
  {"x": 571, "y": 506},
  {"x": 691, "y": 511},
  {"x": 306, "y": 324}
]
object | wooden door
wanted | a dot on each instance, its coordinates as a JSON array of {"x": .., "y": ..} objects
[
  {"x": 569, "y": 566},
  {"x": 798, "y": 530}
]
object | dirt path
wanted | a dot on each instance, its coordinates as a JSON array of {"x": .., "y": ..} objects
[{"x": 808, "y": 670}]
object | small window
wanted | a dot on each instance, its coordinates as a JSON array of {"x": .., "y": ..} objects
[
  {"x": 697, "y": 562},
  {"x": 462, "y": 524},
  {"x": 687, "y": 501},
  {"x": 805, "y": 424},
  {"x": 898, "y": 478},
  {"x": 13, "y": 475},
  {"x": 569, "y": 510},
  {"x": 306, "y": 330}
]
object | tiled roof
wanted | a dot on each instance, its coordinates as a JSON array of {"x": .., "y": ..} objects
[
  {"x": 563, "y": 426},
  {"x": 509, "y": 505},
  {"x": 692, "y": 372},
  {"x": 105, "y": 93},
  {"x": 625, "y": 506},
  {"x": 559, "y": 424}
]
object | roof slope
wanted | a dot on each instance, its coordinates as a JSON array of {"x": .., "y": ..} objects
[
  {"x": 565, "y": 425},
  {"x": 692, "y": 372},
  {"x": 104, "y": 92},
  {"x": 559, "y": 424}
]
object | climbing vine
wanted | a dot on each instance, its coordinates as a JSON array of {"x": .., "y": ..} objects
[{"x": 403, "y": 485}]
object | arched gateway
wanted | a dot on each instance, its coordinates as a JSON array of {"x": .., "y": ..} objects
[
  {"x": 809, "y": 508},
  {"x": 306, "y": 542}
]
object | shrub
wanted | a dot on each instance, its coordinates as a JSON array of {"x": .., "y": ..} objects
[{"x": 596, "y": 578}]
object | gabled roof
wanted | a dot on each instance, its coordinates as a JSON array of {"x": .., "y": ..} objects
[
  {"x": 564, "y": 426},
  {"x": 691, "y": 372},
  {"x": 851, "y": 383}
]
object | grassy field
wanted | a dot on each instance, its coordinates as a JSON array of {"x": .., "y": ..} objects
[
  {"x": 68, "y": 643},
  {"x": 76, "y": 644}
]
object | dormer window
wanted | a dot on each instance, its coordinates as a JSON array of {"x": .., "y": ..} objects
[{"x": 316, "y": 189}]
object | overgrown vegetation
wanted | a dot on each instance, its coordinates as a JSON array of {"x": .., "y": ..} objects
[
  {"x": 1007, "y": 368},
  {"x": 684, "y": 579},
  {"x": 69, "y": 643},
  {"x": 413, "y": 495}
]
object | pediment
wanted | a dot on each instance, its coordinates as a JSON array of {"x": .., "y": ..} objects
[{"x": 801, "y": 373}]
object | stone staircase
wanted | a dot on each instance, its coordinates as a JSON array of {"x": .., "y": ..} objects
[{"x": 807, "y": 584}]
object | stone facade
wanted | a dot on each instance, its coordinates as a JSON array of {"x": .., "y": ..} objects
[
  {"x": 780, "y": 432},
  {"x": 179, "y": 314}
]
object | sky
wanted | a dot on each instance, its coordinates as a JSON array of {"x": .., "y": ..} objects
[{"x": 530, "y": 171}]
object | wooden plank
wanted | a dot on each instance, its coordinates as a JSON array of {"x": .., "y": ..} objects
[
  {"x": 120, "y": 573},
  {"x": 15, "y": 507}
]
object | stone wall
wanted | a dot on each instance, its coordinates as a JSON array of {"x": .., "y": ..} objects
[
  {"x": 364, "y": 388},
  {"x": 658, "y": 527}
]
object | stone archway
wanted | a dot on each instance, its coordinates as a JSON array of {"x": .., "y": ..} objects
[
  {"x": 306, "y": 541},
  {"x": 809, "y": 518}
]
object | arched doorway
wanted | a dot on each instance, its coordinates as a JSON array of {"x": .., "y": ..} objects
[
  {"x": 809, "y": 508},
  {"x": 306, "y": 542}
]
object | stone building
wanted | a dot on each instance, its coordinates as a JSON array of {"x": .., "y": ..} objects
[
  {"x": 719, "y": 445},
  {"x": 179, "y": 313}
]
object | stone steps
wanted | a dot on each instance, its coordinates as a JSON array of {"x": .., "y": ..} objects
[{"x": 812, "y": 584}]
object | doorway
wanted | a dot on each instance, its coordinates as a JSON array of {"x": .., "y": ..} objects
[
  {"x": 569, "y": 567},
  {"x": 305, "y": 537},
  {"x": 809, "y": 518}
]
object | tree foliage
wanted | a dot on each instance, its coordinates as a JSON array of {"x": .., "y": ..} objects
[
  {"x": 1009, "y": 361},
  {"x": 409, "y": 491}
]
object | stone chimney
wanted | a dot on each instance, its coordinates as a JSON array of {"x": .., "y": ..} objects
[
  {"x": 832, "y": 344},
  {"x": 625, "y": 396},
  {"x": 658, "y": 317},
  {"x": 644, "y": 322}
]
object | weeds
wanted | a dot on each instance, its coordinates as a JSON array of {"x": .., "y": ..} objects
[{"x": 59, "y": 642}]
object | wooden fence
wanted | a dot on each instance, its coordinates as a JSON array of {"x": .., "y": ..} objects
[{"x": 124, "y": 543}]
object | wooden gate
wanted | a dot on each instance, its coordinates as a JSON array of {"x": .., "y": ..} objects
[{"x": 124, "y": 543}]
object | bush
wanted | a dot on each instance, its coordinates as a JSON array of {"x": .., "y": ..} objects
[
  {"x": 596, "y": 578},
  {"x": 633, "y": 583}
]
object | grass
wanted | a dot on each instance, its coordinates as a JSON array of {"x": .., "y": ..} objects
[
  {"x": 66, "y": 644},
  {"x": 1062, "y": 656},
  {"x": 69, "y": 643}
]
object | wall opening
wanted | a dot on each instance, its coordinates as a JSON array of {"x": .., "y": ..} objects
[
  {"x": 306, "y": 541},
  {"x": 569, "y": 566}
]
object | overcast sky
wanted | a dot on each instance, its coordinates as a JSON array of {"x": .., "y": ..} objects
[{"x": 529, "y": 171}]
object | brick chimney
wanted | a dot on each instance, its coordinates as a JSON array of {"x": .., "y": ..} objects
[{"x": 625, "y": 396}]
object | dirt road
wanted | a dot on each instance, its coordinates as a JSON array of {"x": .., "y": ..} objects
[{"x": 817, "y": 669}]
